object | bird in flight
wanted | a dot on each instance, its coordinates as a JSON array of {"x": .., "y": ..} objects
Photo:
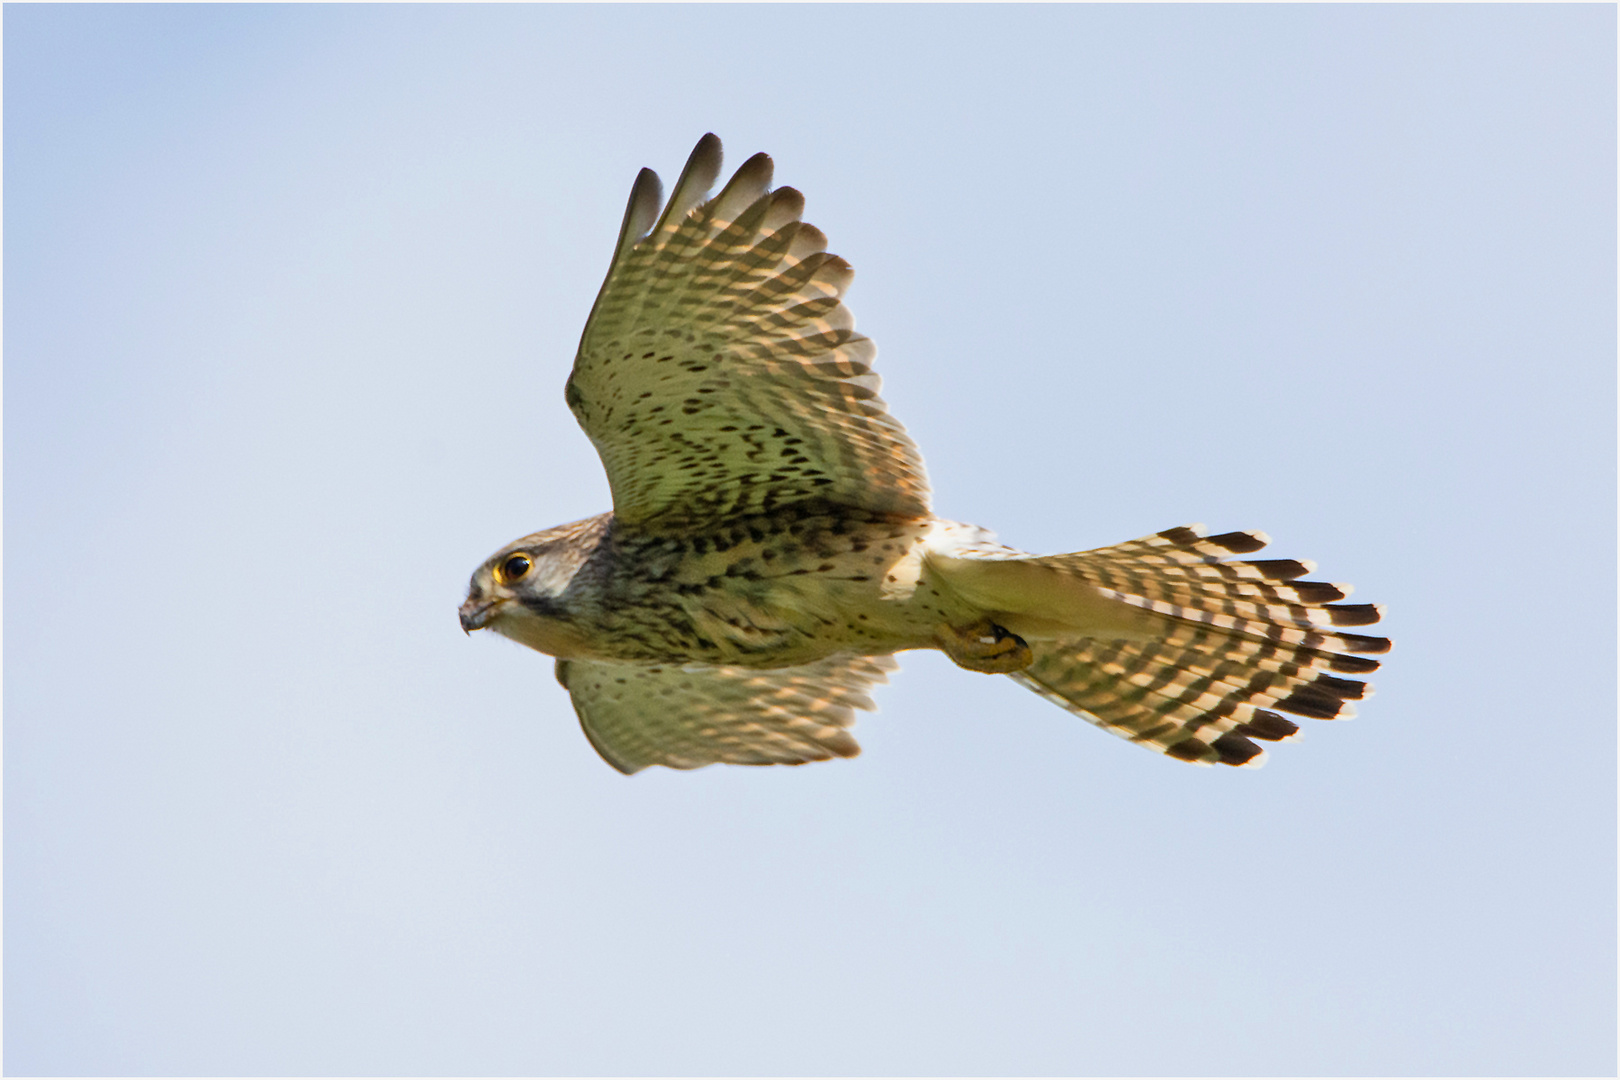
[{"x": 771, "y": 544}]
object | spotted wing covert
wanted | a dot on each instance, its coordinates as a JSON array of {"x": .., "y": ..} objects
[
  {"x": 689, "y": 716},
  {"x": 720, "y": 375}
]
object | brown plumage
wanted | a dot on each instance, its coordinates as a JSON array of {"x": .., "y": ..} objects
[{"x": 771, "y": 544}]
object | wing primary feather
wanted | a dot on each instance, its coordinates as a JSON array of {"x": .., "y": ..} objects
[
  {"x": 747, "y": 186},
  {"x": 702, "y": 169},
  {"x": 646, "y": 195},
  {"x": 786, "y": 206},
  {"x": 807, "y": 240},
  {"x": 718, "y": 342}
]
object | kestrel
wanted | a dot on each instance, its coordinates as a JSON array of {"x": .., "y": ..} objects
[{"x": 771, "y": 545}]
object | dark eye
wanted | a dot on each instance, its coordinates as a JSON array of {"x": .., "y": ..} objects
[{"x": 513, "y": 568}]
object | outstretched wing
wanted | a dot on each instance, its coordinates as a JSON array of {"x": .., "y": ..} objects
[
  {"x": 687, "y": 717},
  {"x": 720, "y": 375}
]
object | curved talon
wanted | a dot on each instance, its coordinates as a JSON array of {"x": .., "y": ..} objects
[{"x": 985, "y": 646}]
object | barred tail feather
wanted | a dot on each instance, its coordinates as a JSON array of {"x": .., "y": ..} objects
[{"x": 1237, "y": 644}]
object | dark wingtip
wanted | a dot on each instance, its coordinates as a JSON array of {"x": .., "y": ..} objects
[
  {"x": 1324, "y": 699},
  {"x": 1238, "y": 543},
  {"x": 1188, "y": 750},
  {"x": 1348, "y": 689},
  {"x": 647, "y": 181},
  {"x": 1234, "y": 749},
  {"x": 1354, "y": 614},
  {"x": 1267, "y": 725},
  {"x": 1360, "y": 643},
  {"x": 704, "y": 160},
  {"x": 1320, "y": 592},
  {"x": 1181, "y": 535},
  {"x": 1281, "y": 569},
  {"x": 646, "y": 197}
]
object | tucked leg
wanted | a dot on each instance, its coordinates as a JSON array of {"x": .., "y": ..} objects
[{"x": 984, "y": 646}]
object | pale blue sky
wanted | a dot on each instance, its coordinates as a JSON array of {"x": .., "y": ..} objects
[{"x": 291, "y": 293}]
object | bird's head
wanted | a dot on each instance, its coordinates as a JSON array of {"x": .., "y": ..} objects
[{"x": 527, "y": 590}]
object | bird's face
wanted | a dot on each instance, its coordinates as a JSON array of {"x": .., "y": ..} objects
[{"x": 521, "y": 592}]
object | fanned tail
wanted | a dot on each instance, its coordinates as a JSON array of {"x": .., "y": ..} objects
[{"x": 1238, "y": 643}]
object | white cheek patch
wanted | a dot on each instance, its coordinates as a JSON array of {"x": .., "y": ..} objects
[{"x": 550, "y": 578}]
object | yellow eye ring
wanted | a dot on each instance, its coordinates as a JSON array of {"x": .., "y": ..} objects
[{"x": 513, "y": 568}]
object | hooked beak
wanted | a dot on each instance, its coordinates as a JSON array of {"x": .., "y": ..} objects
[{"x": 476, "y": 613}]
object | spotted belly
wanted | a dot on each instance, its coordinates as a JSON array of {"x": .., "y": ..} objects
[{"x": 770, "y": 592}]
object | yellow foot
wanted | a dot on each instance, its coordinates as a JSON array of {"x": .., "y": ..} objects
[{"x": 984, "y": 646}]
